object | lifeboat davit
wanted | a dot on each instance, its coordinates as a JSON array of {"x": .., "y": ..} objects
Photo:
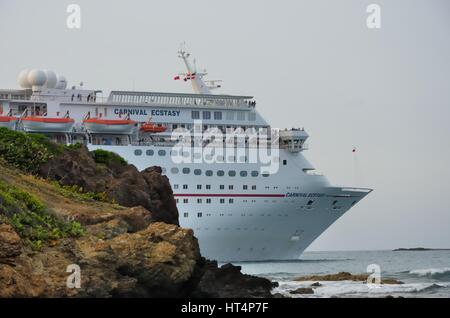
[
  {"x": 8, "y": 122},
  {"x": 47, "y": 124},
  {"x": 109, "y": 126},
  {"x": 152, "y": 128}
]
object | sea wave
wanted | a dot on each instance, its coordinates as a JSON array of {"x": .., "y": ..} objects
[
  {"x": 360, "y": 289},
  {"x": 436, "y": 273}
]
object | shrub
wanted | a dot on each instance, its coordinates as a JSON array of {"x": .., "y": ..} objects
[
  {"x": 108, "y": 157},
  {"x": 26, "y": 151}
]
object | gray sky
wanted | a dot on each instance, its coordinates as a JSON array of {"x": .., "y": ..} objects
[{"x": 309, "y": 63}]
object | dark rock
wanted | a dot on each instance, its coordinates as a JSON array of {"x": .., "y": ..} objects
[
  {"x": 228, "y": 282},
  {"x": 316, "y": 284},
  {"x": 302, "y": 290}
]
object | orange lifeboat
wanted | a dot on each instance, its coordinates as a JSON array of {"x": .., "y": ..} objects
[
  {"x": 8, "y": 122},
  {"x": 152, "y": 128},
  {"x": 109, "y": 126},
  {"x": 47, "y": 124}
]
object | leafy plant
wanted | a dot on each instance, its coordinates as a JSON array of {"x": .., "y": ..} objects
[
  {"x": 31, "y": 220},
  {"x": 107, "y": 157}
]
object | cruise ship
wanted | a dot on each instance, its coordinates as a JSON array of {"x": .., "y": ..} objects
[{"x": 244, "y": 187}]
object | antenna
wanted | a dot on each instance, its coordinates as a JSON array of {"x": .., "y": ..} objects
[{"x": 198, "y": 84}]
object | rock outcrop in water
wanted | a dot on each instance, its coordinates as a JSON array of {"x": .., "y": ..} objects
[
  {"x": 345, "y": 276},
  {"x": 137, "y": 250}
]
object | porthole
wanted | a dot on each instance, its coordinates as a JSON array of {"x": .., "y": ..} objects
[
  {"x": 255, "y": 173},
  {"x": 150, "y": 152},
  {"x": 197, "y": 172},
  {"x": 138, "y": 152},
  {"x": 243, "y": 173},
  {"x": 186, "y": 170},
  {"x": 174, "y": 170},
  {"x": 161, "y": 153},
  {"x": 208, "y": 173},
  {"x": 232, "y": 173},
  {"x": 220, "y": 173}
]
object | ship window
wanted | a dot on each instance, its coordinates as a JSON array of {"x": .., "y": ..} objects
[
  {"x": 185, "y": 200},
  {"x": 174, "y": 153},
  {"x": 186, "y": 214},
  {"x": 218, "y": 115},
  {"x": 208, "y": 187},
  {"x": 206, "y": 115},
  {"x": 240, "y": 116},
  {"x": 185, "y": 186},
  {"x": 174, "y": 170},
  {"x": 195, "y": 114},
  {"x": 208, "y": 200},
  {"x": 243, "y": 159},
  {"x": 150, "y": 152},
  {"x": 197, "y": 172},
  {"x": 222, "y": 187},
  {"x": 138, "y": 152},
  {"x": 243, "y": 173},
  {"x": 231, "y": 201},
  {"x": 255, "y": 173},
  {"x": 220, "y": 173},
  {"x": 230, "y": 187},
  {"x": 230, "y": 115},
  {"x": 199, "y": 200},
  {"x": 162, "y": 153},
  {"x": 245, "y": 187},
  {"x": 175, "y": 186},
  {"x": 284, "y": 162},
  {"x": 232, "y": 173},
  {"x": 251, "y": 116},
  {"x": 199, "y": 186},
  {"x": 310, "y": 202},
  {"x": 199, "y": 214},
  {"x": 186, "y": 170},
  {"x": 265, "y": 174},
  {"x": 208, "y": 173},
  {"x": 253, "y": 187},
  {"x": 222, "y": 200}
]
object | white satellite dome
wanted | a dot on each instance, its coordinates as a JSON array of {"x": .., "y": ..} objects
[
  {"x": 37, "y": 77},
  {"x": 51, "y": 79},
  {"x": 61, "y": 83},
  {"x": 23, "y": 79}
]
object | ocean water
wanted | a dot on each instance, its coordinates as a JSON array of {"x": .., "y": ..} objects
[{"x": 424, "y": 273}]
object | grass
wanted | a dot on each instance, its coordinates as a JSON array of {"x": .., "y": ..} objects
[{"x": 31, "y": 220}]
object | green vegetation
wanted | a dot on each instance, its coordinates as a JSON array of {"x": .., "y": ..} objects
[
  {"x": 26, "y": 151},
  {"x": 76, "y": 192},
  {"x": 107, "y": 157},
  {"x": 31, "y": 220}
]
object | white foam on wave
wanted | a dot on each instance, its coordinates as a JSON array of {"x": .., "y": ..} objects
[
  {"x": 430, "y": 271},
  {"x": 354, "y": 289}
]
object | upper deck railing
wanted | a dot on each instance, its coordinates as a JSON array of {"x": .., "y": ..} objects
[{"x": 179, "y": 99}]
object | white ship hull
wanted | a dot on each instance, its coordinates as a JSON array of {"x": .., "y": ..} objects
[{"x": 269, "y": 222}]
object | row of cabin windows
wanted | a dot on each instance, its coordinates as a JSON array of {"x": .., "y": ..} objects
[
  {"x": 162, "y": 153},
  {"x": 208, "y": 187},
  {"x": 218, "y": 115},
  {"x": 219, "y": 173}
]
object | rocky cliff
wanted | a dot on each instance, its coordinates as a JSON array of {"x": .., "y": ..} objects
[{"x": 69, "y": 207}]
